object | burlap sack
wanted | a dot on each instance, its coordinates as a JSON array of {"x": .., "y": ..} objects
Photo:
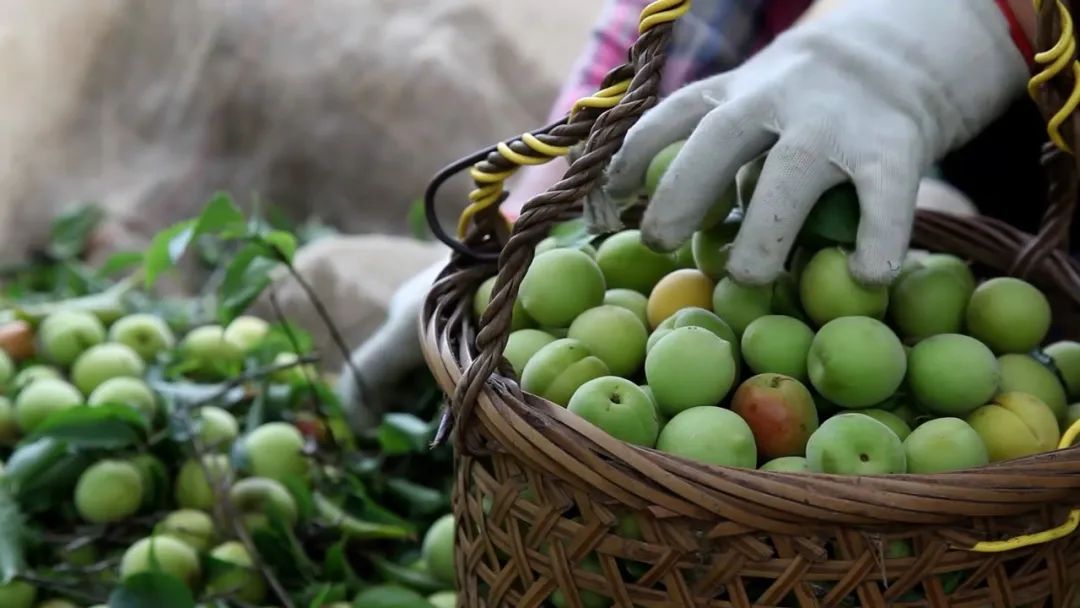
[{"x": 340, "y": 109}]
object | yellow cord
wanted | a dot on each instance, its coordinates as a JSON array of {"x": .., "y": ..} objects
[
  {"x": 489, "y": 186},
  {"x": 1038, "y": 538},
  {"x": 1056, "y": 59}
]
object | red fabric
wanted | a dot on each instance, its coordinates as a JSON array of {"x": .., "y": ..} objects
[{"x": 1017, "y": 33}]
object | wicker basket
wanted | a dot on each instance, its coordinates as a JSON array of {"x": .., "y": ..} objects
[{"x": 542, "y": 498}]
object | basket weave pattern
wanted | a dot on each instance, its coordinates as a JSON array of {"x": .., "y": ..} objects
[{"x": 543, "y": 500}]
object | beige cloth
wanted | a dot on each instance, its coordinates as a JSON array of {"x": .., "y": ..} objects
[{"x": 338, "y": 109}]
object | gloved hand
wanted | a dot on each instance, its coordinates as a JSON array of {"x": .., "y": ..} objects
[
  {"x": 388, "y": 355},
  {"x": 873, "y": 92}
]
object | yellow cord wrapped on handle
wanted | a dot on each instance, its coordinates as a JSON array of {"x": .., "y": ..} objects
[
  {"x": 1026, "y": 540},
  {"x": 489, "y": 186},
  {"x": 1056, "y": 59}
]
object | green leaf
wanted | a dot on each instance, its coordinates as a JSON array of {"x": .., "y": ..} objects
[
  {"x": 337, "y": 565},
  {"x": 12, "y": 530},
  {"x": 300, "y": 491},
  {"x": 53, "y": 485},
  {"x": 219, "y": 214},
  {"x": 403, "y": 433},
  {"x": 30, "y": 460},
  {"x": 352, "y": 527},
  {"x": 283, "y": 242},
  {"x": 72, "y": 230},
  {"x": 159, "y": 256},
  {"x": 390, "y": 596},
  {"x": 421, "y": 580},
  {"x": 418, "y": 224},
  {"x": 109, "y": 426},
  {"x": 423, "y": 500},
  {"x": 155, "y": 589},
  {"x": 247, "y": 275},
  {"x": 571, "y": 233},
  {"x": 169, "y": 245},
  {"x": 123, "y": 260}
]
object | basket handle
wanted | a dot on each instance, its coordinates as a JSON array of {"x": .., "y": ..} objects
[
  {"x": 540, "y": 213},
  {"x": 1056, "y": 91}
]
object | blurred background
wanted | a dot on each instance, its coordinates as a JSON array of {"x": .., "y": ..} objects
[{"x": 338, "y": 110}]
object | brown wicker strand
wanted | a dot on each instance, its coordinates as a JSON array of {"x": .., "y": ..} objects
[{"x": 540, "y": 213}]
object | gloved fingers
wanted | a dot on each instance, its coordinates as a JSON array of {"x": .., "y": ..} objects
[
  {"x": 672, "y": 120},
  {"x": 887, "y": 193},
  {"x": 795, "y": 175},
  {"x": 726, "y": 139}
]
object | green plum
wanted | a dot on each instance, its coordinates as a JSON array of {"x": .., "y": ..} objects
[
  {"x": 144, "y": 333},
  {"x": 560, "y": 285},
  {"x": 689, "y": 367},
  {"x": 104, "y": 361},
  {"x": 1008, "y": 315},
  {"x": 519, "y": 319},
  {"x": 854, "y": 444},
  {"x": 1022, "y": 373},
  {"x": 65, "y": 334},
  {"x": 43, "y": 398},
  {"x": 631, "y": 300},
  {"x": 856, "y": 362},
  {"x": 619, "y": 407},
  {"x": 929, "y": 301},
  {"x": 559, "y": 368},
  {"x": 627, "y": 263},
  {"x": 738, "y": 305},
  {"x": 1066, "y": 357},
  {"x": 522, "y": 345},
  {"x": 828, "y": 290},
  {"x": 777, "y": 344},
  {"x": 613, "y": 334},
  {"x": 709, "y": 434},
  {"x": 125, "y": 390},
  {"x": 952, "y": 374},
  {"x": 944, "y": 444}
]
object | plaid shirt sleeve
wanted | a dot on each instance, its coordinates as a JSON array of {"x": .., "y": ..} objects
[{"x": 715, "y": 36}]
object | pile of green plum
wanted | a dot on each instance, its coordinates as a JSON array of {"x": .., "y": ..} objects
[
  {"x": 815, "y": 372},
  {"x": 178, "y": 499}
]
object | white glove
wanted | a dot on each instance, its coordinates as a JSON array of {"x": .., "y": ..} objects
[
  {"x": 873, "y": 92},
  {"x": 388, "y": 355}
]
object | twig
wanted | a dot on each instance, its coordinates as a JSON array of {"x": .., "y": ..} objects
[
  {"x": 74, "y": 590},
  {"x": 223, "y": 508},
  {"x": 296, "y": 349},
  {"x": 324, "y": 315},
  {"x": 255, "y": 374}
]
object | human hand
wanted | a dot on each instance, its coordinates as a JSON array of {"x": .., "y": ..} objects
[{"x": 873, "y": 93}]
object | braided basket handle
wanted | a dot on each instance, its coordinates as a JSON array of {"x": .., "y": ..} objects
[
  {"x": 1056, "y": 91},
  {"x": 539, "y": 214}
]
